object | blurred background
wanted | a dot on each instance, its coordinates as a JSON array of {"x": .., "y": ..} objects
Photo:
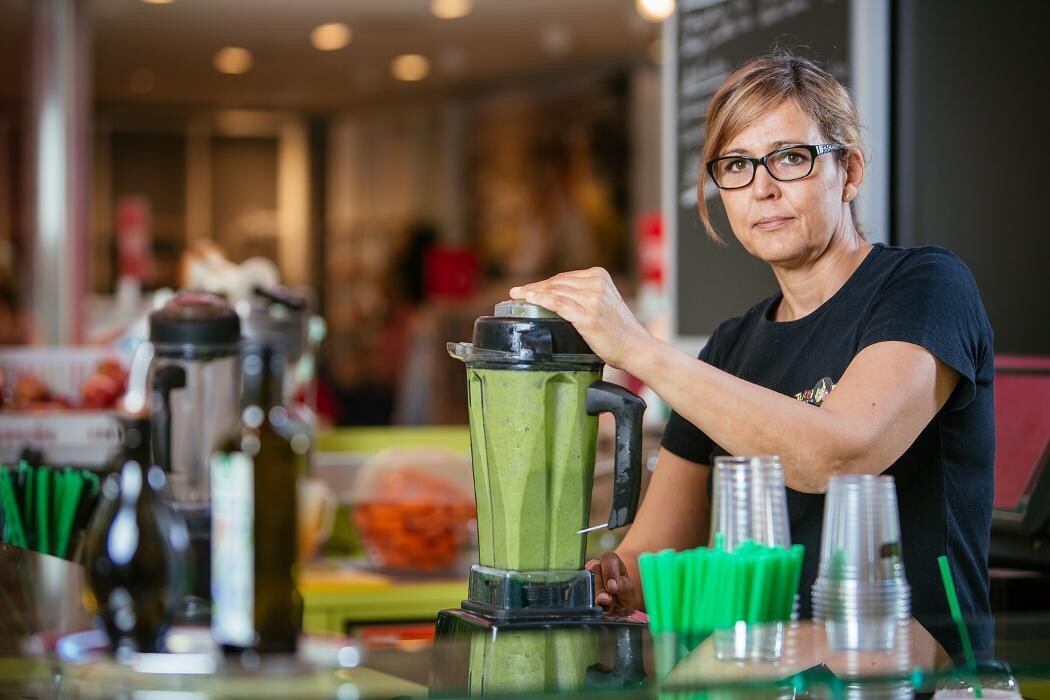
[
  {"x": 406, "y": 160},
  {"x": 409, "y": 160}
]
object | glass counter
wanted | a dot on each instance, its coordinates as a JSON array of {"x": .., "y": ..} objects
[{"x": 48, "y": 648}]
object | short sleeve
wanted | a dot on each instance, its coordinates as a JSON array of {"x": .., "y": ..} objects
[
  {"x": 932, "y": 300},
  {"x": 682, "y": 437}
]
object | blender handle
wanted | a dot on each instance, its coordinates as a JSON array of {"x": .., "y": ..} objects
[
  {"x": 164, "y": 380},
  {"x": 627, "y": 409}
]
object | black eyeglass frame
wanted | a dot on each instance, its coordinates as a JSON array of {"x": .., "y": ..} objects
[{"x": 815, "y": 150}]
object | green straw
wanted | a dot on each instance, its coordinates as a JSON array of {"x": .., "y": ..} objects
[
  {"x": 43, "y": 510},
  {"x": 669, "y": 586},
  {"x": 793, "y": 558},
  {"x": 953, "y": 606},
  {"x": 689, "y": 578},
  {"x": 705, "y": 584},
  {"x": 652, "y": 595},
  {"x": 757, "y": 606},
  {"x": 67, "y": 510},
  {"x": 14, "y": 532}
]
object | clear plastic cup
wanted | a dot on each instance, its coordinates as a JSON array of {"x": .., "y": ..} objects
[
  {"x": 861, "y": 592},
  {"x": 749, "y": 502},
  {"x": 994, "y": 678},
  {"x": 763, "y": 642}
]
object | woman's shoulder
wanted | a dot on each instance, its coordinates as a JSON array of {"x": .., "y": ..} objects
[
  {"x": 930, "y": 264},
  {"x": 925, "y": 256}
]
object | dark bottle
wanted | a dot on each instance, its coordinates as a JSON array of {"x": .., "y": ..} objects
[
  {"x": 255, "y": 603},
  {"x": 137, "y": 548}
]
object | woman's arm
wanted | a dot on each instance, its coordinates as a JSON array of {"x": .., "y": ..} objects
[
  {"x": 888, "y": 394},
  {"x": 886, "y": 397},
  {"x": 674, "y": 513}
]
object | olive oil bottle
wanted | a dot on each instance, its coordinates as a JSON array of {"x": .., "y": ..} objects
[
  {"x": 136, "y": 552},
  {"x": 255, "y": 603}
]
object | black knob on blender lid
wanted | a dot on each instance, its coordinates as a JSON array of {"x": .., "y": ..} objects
[
  {"x": 529, "y": 331},
  {"x": 195, "y": 319}
]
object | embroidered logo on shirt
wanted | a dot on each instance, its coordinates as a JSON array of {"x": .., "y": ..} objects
[{"x": 818, "y": 393}]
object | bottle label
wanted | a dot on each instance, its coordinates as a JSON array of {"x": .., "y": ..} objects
[{"x": 232, "y": 549}]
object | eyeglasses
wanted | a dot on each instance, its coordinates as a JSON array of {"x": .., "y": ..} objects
[{"x": 784, "y": 164}]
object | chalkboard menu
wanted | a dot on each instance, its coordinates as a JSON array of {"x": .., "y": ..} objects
[{"x": 711, "y": 39}]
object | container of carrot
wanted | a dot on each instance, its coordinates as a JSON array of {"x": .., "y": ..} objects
[{"x": 414, "y": 509}]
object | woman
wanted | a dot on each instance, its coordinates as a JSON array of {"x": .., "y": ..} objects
[{"x": 871, "y": 359}]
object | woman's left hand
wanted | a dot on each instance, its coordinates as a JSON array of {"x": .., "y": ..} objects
[{"x": 589, "y": 300}]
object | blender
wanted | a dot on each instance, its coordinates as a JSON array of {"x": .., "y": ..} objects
[
  {"x": 195, "y": 384},
  {"x": 530, "y": 622}
]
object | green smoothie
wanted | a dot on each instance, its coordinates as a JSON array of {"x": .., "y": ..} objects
[
  {"x": 532, "y": 445},
  {"x": 531, "y": 661}
]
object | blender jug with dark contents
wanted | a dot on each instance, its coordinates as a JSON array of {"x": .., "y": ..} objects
[
  {"x": 535, "y": 392},
  {"x": 196, "y": 400}
]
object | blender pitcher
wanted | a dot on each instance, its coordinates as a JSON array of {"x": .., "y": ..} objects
[
  {"x": 195, "y": 385},
  {"x": 535, "y": 391}
]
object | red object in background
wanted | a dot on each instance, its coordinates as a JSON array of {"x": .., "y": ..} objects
[
  {"x": 651, "y": 249},
  {"x": 1022, "y": 425},
  {"x": 133, "y": 237},
  {"x": 450, "y": 272},
  {"x": 397, "y": 635}
]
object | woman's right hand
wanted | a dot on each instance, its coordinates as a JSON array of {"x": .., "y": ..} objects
[{"x": 613, "y": 588}]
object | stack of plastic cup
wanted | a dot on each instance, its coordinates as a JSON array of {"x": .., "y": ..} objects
[
  {"x": 749, "y": 503},
  {"x": 861, "y": 593}
]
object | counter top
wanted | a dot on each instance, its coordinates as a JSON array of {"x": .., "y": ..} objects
[{"x": 40, "y": 607}]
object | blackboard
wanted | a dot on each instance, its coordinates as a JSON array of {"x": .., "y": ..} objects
[
  {"x": 968, "y": 172},
  {"x": 711, "y": 283}
]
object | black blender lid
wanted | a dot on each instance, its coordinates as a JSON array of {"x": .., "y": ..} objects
[
  {"x": 196, "y": 319},
  {"x": 528, "y": 336}
]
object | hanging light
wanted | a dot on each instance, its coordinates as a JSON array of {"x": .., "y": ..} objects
[
  {"x": 654, "y": 10},
  {"x": 233, "y": 60},
  {"x": 410, "y": 67},
  {"x": 330, "y": 37},
  {"x": 451, "y": 9}
]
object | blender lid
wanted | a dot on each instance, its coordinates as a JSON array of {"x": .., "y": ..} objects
[
  {"x": 527, "y": 336},
  {"x": 196, "y": 321},
  {"x": 278, "y": 317}
]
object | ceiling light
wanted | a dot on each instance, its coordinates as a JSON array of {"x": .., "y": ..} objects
[
  {"x": 451, "y": 9},
  {"x": 654, "y": 10},
  {"x": 410, "y": 67},
  {"x": 233, "y": 60},
  {"x": 158, "y": 2},
  {"x": 330, "y": 37}
]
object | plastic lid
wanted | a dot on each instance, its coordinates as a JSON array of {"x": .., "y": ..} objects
[
  {"x": 195, "y": 320},
  {"x": 525, "y": 336}
]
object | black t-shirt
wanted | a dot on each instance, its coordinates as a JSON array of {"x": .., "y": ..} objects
[{"x": 924, "y": 296}]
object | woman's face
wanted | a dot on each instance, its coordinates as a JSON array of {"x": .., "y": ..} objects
[{"x": 790, "y": 224}]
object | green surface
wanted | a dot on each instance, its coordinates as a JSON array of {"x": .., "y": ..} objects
[
  {"x": 377, "y": 439},
  {"x": 532, "y": 446},
  {"x": 333, "y": 610}
]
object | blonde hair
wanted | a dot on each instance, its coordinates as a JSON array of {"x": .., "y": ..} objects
[{"x": 763, "y": 84}]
